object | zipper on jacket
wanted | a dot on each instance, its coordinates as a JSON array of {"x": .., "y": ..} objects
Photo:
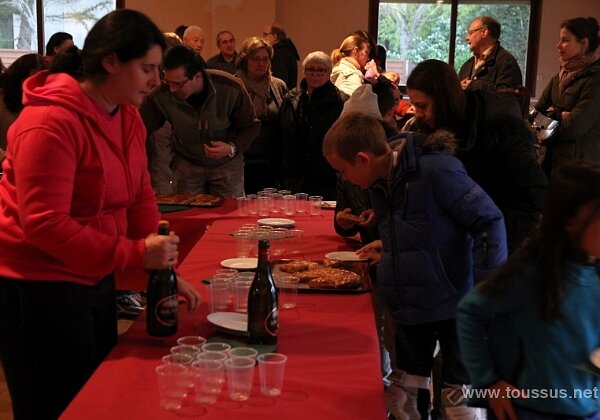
[
  {"x": 484, "y": 240},
  {"x": 405, "y": 201}
]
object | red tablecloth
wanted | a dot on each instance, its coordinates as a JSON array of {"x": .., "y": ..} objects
[
  {"x": 330, "y": 340},
  {"x": 189, "y": 224}
]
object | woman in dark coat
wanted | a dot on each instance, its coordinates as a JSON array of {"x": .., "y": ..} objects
[
  {"x": 495, "y": 144},
  {"x": 573, "y": 95},
  {"x": 306, "y": 114}
]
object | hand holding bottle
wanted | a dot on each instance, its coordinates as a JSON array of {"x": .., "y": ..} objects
[{"x": 161, "y": 251}]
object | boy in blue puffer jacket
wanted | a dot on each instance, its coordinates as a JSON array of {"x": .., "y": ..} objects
[{"x": 440, "y": 233}]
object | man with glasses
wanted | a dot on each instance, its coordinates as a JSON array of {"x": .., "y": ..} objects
[
  {"x": 491, "y": 67},
  {"x": 213, "y": 123},
  {"x": 284, "y": 64},
  {"x": 225, "y": 59}
]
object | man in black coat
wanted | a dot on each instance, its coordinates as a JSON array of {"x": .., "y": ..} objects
[
  {"x": 491, "y": 67},
  {"x": 284, "y": 64}
]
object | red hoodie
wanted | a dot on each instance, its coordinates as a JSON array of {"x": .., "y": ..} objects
[{"x": 75, "y": 199}]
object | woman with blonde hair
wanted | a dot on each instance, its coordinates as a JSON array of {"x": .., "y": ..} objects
[
  {"x": 267, "y": 92},
  {"x": 348, "y": 62}
]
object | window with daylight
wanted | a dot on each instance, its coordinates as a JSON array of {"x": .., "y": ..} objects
[
  {"x": 416, "y": 30},
  {"x": 26, "y": 25}
]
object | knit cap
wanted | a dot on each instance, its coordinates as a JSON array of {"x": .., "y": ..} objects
[{"x": 363, "y": 100}]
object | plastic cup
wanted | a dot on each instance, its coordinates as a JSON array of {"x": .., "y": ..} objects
[
  {"x": 252, "y": 204},
  {"x": 242, "y": 203},
  {"x": 296, "y": 244},
  {"x": 219, "y": 290},
  {"x": 184, "y": 359},
  {"x": 271, "y": 369},
  {"x": 216, "y": 346},
  {"x": 289, "y": 205},
  {"x": 172, "y": 387},
  {"x": 288, "y": 291},
  {"x": 301, "y": 203},
  {"x": 228, "y": 272},
  {"x": 264, "y": 205},
  {"x": 191, "y": 340},
  {"x": 279, "y": 238},
  {"x": 247, "y": 352},
  {"x": 243, "y": 243},
  {"x": 241, "y": 289},
  {"x": 314, "y": 205},
  {"x": 218, "y": 356},
  {"x": 240, "y": 372},
  {"x": 186, "y": 349},
  {"x": 209, "y": 379},
  {"x": 276, "y": 204}
]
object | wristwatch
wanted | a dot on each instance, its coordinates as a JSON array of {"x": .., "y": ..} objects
[{"x": 233, "y": 151}]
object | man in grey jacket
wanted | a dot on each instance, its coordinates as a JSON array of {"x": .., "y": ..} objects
[
  {"x": 491, "y": 67},
  {"x": 213, "y": 123}
]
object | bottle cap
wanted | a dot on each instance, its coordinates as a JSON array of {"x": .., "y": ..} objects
[
  {"x": 163, "y": 227},
  {"x": 263, "y": 243}
]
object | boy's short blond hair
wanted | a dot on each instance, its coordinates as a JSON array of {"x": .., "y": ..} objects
[{"x": 355, "y": 132}]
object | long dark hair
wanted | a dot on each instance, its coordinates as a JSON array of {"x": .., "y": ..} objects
[
  {"x": 127, "y": 33},
  {"x": 12, "y": 80},
  {"x": 572, "y": 186},
  {"x": 439, "y": 81}
]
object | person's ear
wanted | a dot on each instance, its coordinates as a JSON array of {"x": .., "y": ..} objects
[
  {"x": 363, "y": 158},
  {"x": 110, "y": 63}
]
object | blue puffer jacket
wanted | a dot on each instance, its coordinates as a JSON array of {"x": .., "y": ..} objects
[{"x": 439, "y": 230}]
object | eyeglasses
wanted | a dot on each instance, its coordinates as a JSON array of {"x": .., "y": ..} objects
[
  {"x": 176, "y": 85},
  {"x": 259, "y": 59},
  {"x": 315, "y": 70},
  {"x": 472, "y": 31}
]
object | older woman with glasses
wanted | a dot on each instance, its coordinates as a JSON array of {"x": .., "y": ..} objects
[
  {"x": 267, "y": 92},
  {"x": 306, "y": 114}
]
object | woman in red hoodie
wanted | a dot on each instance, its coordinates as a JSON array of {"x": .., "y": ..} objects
[{"x": 76, "y": 206}]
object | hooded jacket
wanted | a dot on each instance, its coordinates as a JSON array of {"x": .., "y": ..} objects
[
  {"x": 75, "y": 200},
  {"x": 439, "y": 231}
]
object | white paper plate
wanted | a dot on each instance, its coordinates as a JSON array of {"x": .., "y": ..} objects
[
  {"x": 328, "y": 204},
  {"x": 595, "y": 358},
  {"x": 232, "y": 322},
  {"x": 344, "y": 256},
  {"x": 276, "y": 222},
  {"x": 240, "y": 263}
]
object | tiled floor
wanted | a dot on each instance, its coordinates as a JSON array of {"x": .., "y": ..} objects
[{"x": 5, "y": 405}]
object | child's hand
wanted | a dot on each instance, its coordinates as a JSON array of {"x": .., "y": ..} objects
[
  {"x": 371, "y": 251},
  {"x": 501, "y": 404}
]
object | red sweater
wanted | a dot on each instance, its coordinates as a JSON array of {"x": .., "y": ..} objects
[{"x": 75, "y": 198}]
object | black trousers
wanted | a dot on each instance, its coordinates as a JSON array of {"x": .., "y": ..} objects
[
  {"x": 53, "y": 335},
  {"x": 415, "y": 345}
]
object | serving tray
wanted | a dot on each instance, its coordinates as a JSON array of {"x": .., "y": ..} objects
[{"x": 359, "y": 267}]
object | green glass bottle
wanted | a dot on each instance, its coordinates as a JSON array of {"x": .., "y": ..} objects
[
  {"x": 263, "y": 309},
  {"x": 161, "y": 316}
]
